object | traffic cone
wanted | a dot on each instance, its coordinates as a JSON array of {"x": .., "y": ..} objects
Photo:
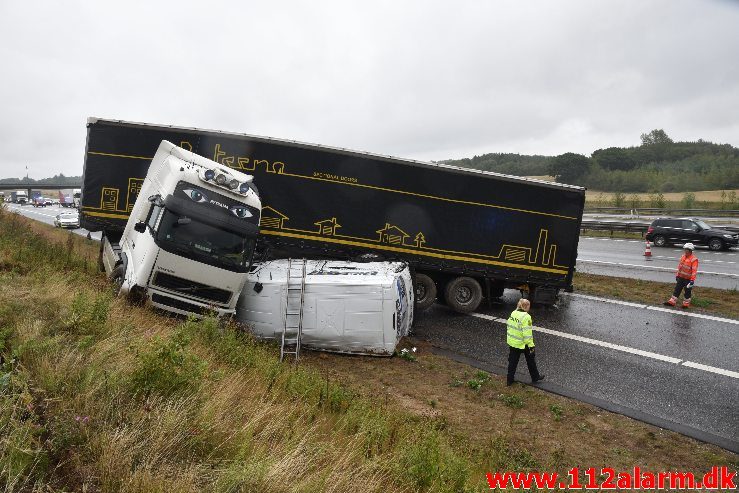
[{"x": 648, "y": 251}]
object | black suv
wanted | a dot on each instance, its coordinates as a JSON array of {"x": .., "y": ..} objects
[{"x": 663, "y": 232}]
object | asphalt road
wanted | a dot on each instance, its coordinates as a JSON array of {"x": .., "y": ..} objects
[
  {"x": 46, "y": 215},
  {"x": 675, "y": 369},
  {"x": 678, "y": 370},
  {"x": 625, "y": 258}
]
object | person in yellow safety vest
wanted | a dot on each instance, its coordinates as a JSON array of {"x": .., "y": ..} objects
[
  {"x": 687, "y": 269},
  {"x": 521, "y": 340}
]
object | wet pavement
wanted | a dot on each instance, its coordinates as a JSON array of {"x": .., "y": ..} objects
[
  {"x": 625, "y": 258},
  {"x": 629, "y": 356}
]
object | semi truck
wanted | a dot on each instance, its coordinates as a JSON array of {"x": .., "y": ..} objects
[
  {"x": 189, "y": 233},
  {"x": 466, "y": 234},
  {"x": 65, "y": 198},
  {"x": 19, "y": 197}
]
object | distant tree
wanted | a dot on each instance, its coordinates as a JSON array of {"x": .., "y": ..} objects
[
  {"x": 619, "y": 198},
  {"x": 569, "y": 167},
  {"x": 656, "y": 136},
  {"x": 689, "y": 200},
  {"x": 614, "y": 158}
]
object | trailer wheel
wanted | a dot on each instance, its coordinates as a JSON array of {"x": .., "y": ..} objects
[
  {"x": 425, "y": 291},
  {"x": 463, "y": 294}
]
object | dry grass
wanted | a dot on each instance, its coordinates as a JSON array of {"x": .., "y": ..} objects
[
  {"x": 98, "y": 395},
  {"x": 711, "y": 196}
]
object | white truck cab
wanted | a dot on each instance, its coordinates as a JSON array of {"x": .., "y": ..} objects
[{"x": 189, "y": 240}]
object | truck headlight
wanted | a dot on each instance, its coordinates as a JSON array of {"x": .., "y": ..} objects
[
  {"x": 221, "y": 179},
  {"x": 233, "y": 184},
  {"x": 209, "y": 174}
]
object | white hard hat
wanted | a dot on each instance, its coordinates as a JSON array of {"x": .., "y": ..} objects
[{"x": 688, "y": 246}]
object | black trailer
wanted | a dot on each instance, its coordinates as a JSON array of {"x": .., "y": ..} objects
[{"x": 467, "y": 234}]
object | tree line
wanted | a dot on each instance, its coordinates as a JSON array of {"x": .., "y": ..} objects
[
  {"x": 657, "y": 165},
  {"x": 56, "y": 179}
]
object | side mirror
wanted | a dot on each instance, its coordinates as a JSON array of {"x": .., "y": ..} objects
[{"x": 140, "y": 227}]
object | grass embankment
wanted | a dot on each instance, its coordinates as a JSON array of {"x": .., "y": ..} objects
[
  {"x": 711, "y": 301},
  {"x": 99, "y": 395}
]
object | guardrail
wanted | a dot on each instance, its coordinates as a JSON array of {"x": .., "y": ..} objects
[
  {"x": 629, "y": 227},
  {"x": 664, "y": 211}
]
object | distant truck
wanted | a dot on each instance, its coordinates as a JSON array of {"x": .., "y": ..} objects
[
  {"x": 466, "y": 234},
  {"x": 19, "y": 197},
  {"x": 348, "y": 307},
  {"x": 188, "y": 239},
  {"x": 76, "y": 198},
  {"x": 65, "y": 199}
]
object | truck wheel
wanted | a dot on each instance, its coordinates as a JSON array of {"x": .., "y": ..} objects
[
  {"x": 117, "y": 277},
  {"x": 659, "y": 241},
  {"x": 425, "y": 291},
  {"x": 463, "y": 294}
]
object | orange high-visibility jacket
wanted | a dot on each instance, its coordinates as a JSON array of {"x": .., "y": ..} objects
[{"x": 688, "y": 267}]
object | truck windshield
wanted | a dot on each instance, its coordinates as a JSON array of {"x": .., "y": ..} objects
[{"x": 202, "y": 242}]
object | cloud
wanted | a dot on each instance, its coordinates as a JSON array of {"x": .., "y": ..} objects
[{"x": 418, "y": 79}]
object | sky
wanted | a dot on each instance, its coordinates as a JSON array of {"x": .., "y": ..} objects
[{"x": 420, "y": 79}]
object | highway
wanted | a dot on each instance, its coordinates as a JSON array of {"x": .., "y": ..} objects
[
  {"x": 46, "y": 215},
  {"x": 625, "y": 258},
  {"x": 674, "y": 369}
]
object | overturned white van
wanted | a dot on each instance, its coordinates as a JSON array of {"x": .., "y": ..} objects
[{"x": 348, "y": 307}]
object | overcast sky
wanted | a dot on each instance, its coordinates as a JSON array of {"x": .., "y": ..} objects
[{"x": 422, "y": 79}]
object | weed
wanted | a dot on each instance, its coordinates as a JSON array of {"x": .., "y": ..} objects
[
  {"x": 474, "y": 384},
  {"x": 433, "y": 403},
  {"x": 408, "y": 355},
  {"x": 512, "y": 400},
  {"x": 456, "y": 383},
  {"x": 167, "y": 367},
  {"x": 482, "y": 376},
  {"x": 557, "y": 412}
]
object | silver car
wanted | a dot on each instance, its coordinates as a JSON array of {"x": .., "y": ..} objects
[{"x": 67, "y": 220}]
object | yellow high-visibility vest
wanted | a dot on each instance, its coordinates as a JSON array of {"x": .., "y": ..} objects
[{"x": 519, "y": 330}]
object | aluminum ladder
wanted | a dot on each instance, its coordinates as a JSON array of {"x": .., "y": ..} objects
[{"x": 292, "y": 328}]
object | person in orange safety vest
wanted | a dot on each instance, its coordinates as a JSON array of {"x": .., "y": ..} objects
[{"x": 687, "y": 269}]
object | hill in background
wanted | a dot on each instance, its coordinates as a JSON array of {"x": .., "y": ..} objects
[{"x": 657, "y": 165}]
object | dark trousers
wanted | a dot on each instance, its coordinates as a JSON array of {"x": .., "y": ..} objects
[
  {"x": 514, "y": 355},
  {"x": 680, "y": 285}
]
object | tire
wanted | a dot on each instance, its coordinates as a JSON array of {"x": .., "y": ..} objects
[
  {"x": 715, "y": 244},
  {"x": 117, "y": 277},
  {"x": 463, "y": 294},
  {"x": 425, "y": 291},
  {"x": 660, "y": 241}
]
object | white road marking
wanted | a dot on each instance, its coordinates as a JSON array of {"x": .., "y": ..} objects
[
  {"x": 712, "y": 369},
  {"x": 618, "y": 347},
  {"x": 655, "y": 308},
  {"x": 652, "y": 267}
]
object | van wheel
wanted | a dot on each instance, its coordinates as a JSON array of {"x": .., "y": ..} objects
[
  {"x": 425, "y": 291},
  {"x": 715, "y": 244},
  {"x": 463, "y": 294},
  {"x": 117, "y": 277},
  {"x": 659, "y": 241}
]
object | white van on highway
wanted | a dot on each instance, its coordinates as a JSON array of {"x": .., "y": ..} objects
[{"x": 348, "y": 307}]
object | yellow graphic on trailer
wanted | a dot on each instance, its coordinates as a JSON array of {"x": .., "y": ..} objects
[
  {"x": 392, "y": 234},
  {"x": 272, "y": 218},
  {"x": 134, "y": 187},
  {"x": 109, "y": 199},
  {"x": 327, "y": 226}
]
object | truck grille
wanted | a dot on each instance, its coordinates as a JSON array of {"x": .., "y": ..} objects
[
  {"x": 191, "y": 289},
  {"x": 178, "y": 304}
]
